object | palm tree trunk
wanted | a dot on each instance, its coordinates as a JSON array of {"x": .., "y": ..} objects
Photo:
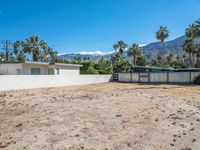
[
  {"x": 35, "y": 57},
  {"x": 190, "y": 59},
  {"x": 134, "y": 60}
]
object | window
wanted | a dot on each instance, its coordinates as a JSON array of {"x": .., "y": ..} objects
[
  {"x": 35, "y": 71},
  {"x": 51, "y": 71}
]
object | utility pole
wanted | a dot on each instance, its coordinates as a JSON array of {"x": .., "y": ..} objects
[{"x": 7, "y": 46}]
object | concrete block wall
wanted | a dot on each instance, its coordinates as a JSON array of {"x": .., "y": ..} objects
[{"x": 12, "y": 82}]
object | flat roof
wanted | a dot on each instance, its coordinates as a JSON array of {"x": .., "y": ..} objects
[
  {"x": 153, "y": 67},
  {"x": 43, "y": 63}
]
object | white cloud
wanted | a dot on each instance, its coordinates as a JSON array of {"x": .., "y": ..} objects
[
  {"x": 97, "y": 53},
  {"x": 60, "y": 54},
  {"x": 141, "y": 45},
  {"x": 92, "y": 53}
]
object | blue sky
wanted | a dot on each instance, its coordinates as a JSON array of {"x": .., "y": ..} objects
[{"x": 94, "y": 25}]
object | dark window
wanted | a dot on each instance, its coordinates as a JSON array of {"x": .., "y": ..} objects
[
  {"x": 35, "y": 71},
  {"x": 51, "y": 71}
]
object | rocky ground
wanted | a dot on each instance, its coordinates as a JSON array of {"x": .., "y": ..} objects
[{"x": 102, "y": 116}]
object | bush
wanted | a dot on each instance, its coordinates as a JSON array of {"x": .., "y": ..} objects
[{"x": 197, "y": 80}]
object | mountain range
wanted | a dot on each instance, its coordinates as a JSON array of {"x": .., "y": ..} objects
[{"x": 170, "y": 47}]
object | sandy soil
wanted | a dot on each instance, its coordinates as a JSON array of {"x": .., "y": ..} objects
[{"x": 102, "y": 116}]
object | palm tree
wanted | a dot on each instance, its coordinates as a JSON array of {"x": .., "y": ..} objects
[
  {"x": 44, "y": 51},
  {"x": 16, "y": 46},
  {"x": 120, "y": 45},
  {"x": 191, "y": 31},
  {"x": 17, "y": 50},
  {"x": 134, "y": 51},
  {"x": 188, "y": 47},
  {"x": 197, "y": 34},
  {"x": 162, "y": 34},
  {"x": 32, "y": 45},
  {"x": 53, "y": 54}
]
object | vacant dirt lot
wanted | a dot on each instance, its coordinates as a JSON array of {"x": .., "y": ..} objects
[{"x": 103, "y": 116}]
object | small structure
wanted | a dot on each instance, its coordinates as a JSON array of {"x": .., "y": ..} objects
[{"x": 38, "y": 68}]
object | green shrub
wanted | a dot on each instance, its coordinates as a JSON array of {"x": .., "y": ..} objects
[{"x": 197, "y": 80}]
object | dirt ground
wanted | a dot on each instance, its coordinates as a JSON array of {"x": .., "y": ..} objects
[{"x": 102, "y": 116}]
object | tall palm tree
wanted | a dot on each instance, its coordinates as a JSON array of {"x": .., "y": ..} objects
[
  {"x": 188, "y": 47},
  {"x": 16, "y": 46},
  {"x": 32, "y": 45},
  {"x": 134, "y": 51},
  {"x": 197, "y": 34},
  {"x": 162, "y": 34},
  {"x": 191, "y": 31},
  {"x": 53, "y": 54},
  {"x": 19, "y": 53},
  {"x": 44, "y": 51},
  {"x": 120, "y": 45}
]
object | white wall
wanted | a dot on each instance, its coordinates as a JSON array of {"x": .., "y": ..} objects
[
  {"x": 10, "y": 69},
  {"x": 72, "y": 72},
  {"x": 8, "y": 82}
]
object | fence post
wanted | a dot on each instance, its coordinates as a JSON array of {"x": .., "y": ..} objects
[
  {"x": 190, "y": 77},
  {"x": 167, "y": 77},
  {"x": 138, "y": 77},
  {"x": 149, "y": 77},
  {"x": 130, "y": 77}
]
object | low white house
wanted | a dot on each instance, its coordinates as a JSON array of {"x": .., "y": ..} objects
[{"x": 39, "y": 68}]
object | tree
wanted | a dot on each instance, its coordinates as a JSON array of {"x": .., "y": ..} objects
[
  {"x": 38, "y": 48},
  {"x": 53, "y": 54},
  {"x": 169, "y": 59},
  {"x": 120, "y": 64},
  {"x": 32, "y": 46},
  {"x": 162, "y": 34},
  {"x": 191, "y": 31},
  {"x": 134, "y": 51},
  {"x": 104, "y": 66},
  {"x": 44, "y": 51},
  {"x": 2, "y": 57},
  {"x": 120, "y": 45},
  {"x": 88, "y": 68},
  {"x": 141, "y": 61},
  {"x": 189, "y": 47},
  {"x": 18, "y": 51},
  {"x": 197, "y": 33}
]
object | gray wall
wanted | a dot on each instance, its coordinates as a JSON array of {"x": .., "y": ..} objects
[
  {"x": 10, "y": 82},
  {"x": 171, "y": 77}
]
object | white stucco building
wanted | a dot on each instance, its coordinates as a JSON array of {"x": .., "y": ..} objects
[{"x": 39, "y": 68}]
